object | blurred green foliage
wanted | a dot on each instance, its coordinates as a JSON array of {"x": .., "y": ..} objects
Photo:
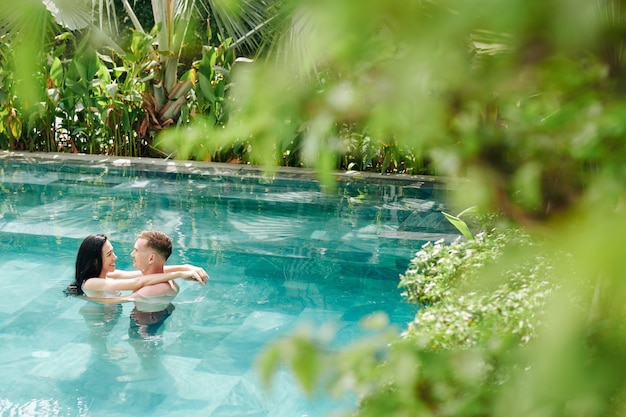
[{"x": 524, "y": 100}]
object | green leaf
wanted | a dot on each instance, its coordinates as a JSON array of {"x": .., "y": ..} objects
[
  {"x": 87, "y": 65},
  {"x": 79, "y": 89},
  {"x": 305, "y": 364},
  {"x": 56, "y": 72},
  {"x": 205, "y": 66},
  {"x": 268, "y": 363},
  {"x": 460, "y": 225},
  {"x": 14, "y": 125},
  {"x": 219, "y": 90},
  {"x": 205, "y": 87},
  {"x": 103, "y": 72}
]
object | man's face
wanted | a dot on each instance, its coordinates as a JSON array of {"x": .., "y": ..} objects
[{"x": 141, "y": 255}]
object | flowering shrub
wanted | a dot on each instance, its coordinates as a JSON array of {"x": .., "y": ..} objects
[{"x": 458, "y": 309}]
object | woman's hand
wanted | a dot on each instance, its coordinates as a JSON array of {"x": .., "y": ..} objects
[
  {"x": 201, "y": 272},
  {"x": 187, "y": 267},
  {"x": 194, "y": 275}
]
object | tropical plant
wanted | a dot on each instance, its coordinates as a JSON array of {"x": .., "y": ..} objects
[
  {"x": 211, "y": 77},
  {"x": 174, "y": 27},
  {"x": 443, "y": 279},
  {"x": 112, "y": 100},
  {"x": 160, "y": 49},
  {"x": 10, "y": 123}
]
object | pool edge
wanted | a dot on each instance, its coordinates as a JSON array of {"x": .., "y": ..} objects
[{"x": 180, "y": 166}]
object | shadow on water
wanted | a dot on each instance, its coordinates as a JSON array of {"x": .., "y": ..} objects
[{"x": 105, "y": 384}]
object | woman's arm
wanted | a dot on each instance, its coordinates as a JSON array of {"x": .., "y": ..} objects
[
  {"x": 117, "y": 274},
  {"x": 133, "y": 284}
]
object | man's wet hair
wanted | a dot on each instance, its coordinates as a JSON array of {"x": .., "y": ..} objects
[{"x": 157, "y": 241}]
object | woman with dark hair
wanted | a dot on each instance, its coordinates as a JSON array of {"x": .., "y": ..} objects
[{"x": 96, "y": 276}]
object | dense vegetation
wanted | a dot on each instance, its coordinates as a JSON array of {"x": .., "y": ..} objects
[
  {"x": 522, "y": 99},
  {"x": 115, "y": 99}
]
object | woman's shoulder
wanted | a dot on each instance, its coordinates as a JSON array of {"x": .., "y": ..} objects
[
  {"x": 101, "y": 294},
  {"x": 91, "y": 283},
  {"x": 90, "y": 288}
]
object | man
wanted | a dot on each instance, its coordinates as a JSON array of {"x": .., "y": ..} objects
[
  {"x": 151, "y": 251},
  {"x": 153, "y": 302}
]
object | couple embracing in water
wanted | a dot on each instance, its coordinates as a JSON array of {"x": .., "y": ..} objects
[{"x": 152, "y": 283}]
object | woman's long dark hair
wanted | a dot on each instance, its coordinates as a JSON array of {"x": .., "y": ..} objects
[{"x": 88, "y": 263}]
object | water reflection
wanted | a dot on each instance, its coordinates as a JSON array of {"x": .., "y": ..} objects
[
  {"x": 145, "y": 335},
  {"x": 148, "y": 325},
  {"x": 100, "y": 320},
  {"x": 98, "y": 379}
]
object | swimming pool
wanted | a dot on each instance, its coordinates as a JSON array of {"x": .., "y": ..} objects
[{"x": 279, "y": 252}]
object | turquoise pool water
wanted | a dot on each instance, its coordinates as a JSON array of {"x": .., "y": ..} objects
[{"x": 279, "y": 252}]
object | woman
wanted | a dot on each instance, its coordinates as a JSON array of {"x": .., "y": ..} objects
[{"x": 96, "y": 276}]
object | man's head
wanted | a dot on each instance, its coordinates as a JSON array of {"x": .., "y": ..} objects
[{"x": 151, "y": 250}]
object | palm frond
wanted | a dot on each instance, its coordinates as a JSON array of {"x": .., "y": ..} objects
[
  {"x": 22, "y": 16},
  {"x": 107, "y": 15},
  {"x": 71, "y": 14},
  {"x": 243, "y": 22}
]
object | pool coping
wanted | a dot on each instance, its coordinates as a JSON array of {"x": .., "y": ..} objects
[{"x": 220, "y": 168}]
